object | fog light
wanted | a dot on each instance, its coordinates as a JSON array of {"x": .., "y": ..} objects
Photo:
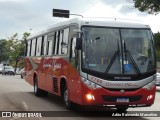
[
  {"x": 149, "y": 97},
  {"x": 90, "y": 97}
]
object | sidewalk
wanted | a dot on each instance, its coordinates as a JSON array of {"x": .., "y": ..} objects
[{"x": 158, "y": 88}]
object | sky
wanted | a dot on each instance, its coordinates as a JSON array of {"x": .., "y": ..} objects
[{"x": 19, "y": 16}]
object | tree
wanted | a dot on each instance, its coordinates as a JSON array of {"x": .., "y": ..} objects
[
  {"x": 150, "y": 6},
  {"x": 157, "y": 40},
  {"x": 3, "y": 50},
  {"x": 157, "y": 45},
  {"x": 23, "y": 48},
  {"x": 12, "y": 48},
  {"x": 24, "y": 42}
]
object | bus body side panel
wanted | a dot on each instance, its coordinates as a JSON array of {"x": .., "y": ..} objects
[
  {"x": 48, "y": 71},
  {"x": 62, "y": 69},
  {"x": 40, "y": 71},
  {"x": 34, "y": 65},
  {"x": 29, "y": 71},
  {"x": 59, "y": 68},
  {"x": 51, "y": 69},
  {"x": 74, "y": 85}
]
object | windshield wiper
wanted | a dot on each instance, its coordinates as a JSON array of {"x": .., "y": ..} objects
[
  {"x": 113, "y": 58},
  {"x": 112, "y": 61},
  {"x": 128, "y": 54}
]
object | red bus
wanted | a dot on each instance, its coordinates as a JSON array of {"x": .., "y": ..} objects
[{"x": 94, "y": 62}]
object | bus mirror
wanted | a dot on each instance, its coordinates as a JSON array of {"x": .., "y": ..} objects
[{"x": 78, "y": 44}]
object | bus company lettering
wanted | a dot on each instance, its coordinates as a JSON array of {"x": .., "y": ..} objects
[
  {"x": 107, "y": 84},
  {"x": 121, "y": 85},
  {"x": 56, "y": 65},
  {"x": 47, "y": 65},
  {"x": 96, "y": 80},
  {"x": 122, "y": 78},
  {"x": 114, "y": 85},
  {"x": 131, "y": 85}
]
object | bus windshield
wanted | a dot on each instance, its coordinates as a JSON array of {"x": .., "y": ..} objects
[{"x": 117, "y": 50}]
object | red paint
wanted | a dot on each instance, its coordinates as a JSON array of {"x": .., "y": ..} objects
[{"x": 57, "y": 67}]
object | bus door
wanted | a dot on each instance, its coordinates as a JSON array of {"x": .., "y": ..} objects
[{"x": 74, "y": 83}]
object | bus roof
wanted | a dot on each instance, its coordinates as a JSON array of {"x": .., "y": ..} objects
[
  {"x": 101, "y": 22},
  {"x": 105, "y": 22}
]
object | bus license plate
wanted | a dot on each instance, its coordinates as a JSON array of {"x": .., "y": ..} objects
[{"x": 122, "y": 100}]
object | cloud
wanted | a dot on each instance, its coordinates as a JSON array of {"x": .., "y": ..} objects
[
  {"x": 115, "y": 3},
  {"x": 21, "y": 15},
  {"x": 123, "y": 6},
  {"x": 123, "y": 10}
]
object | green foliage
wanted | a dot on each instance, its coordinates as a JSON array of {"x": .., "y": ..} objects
[
  {"x": 157, "y": 45},
  {"x": 157, "y": 40},
  {"x": 12, "y": 48},
  {"x": 158, "y": 54},
  {"x": 3, "y": 49},
  {"x": 150, "y": 6}
]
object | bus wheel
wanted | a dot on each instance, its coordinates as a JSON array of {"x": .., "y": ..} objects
[
  {"x": 38, "y": 92},
  {"x": 122, "y": 108},
  {"x": 69, "y": 105}
]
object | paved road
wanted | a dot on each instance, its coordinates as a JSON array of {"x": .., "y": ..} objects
[{"x": 17, "y": 95}]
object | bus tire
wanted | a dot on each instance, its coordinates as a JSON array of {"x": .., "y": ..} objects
[
  {"x": 68, "y": 104},
  {"x": 39, "y": 92},
  {"x": 122, "y": 108}
]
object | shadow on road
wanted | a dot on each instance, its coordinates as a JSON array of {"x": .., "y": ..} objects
[{"x": 86, "y": 111}]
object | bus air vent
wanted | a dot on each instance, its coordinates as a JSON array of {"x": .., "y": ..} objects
[{"x": 55, "y": 85}]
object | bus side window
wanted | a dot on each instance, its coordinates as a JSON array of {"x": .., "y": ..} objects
[
  {"x": 73, "y": 52},
  {"x": 33, "y": 50},
  {"x": 42, "y": 46},
  {"x": 64, "y": 43},
  {"x": 50, "y": 45},
  {"x": 28, "y": 47},
  {"x": 54, "y": 42},
  {"x": 45, "y": 45},
  {"x": 73, "y": 47},
  {"x": 38, "y": 49},
  {"x": 57, "y": 42},
  {"x": 60, "y": 42}
]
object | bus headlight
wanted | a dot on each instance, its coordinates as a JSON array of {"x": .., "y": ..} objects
[
  {"x": 90, "y": 84},
  {"x": 150, "y": 85}
]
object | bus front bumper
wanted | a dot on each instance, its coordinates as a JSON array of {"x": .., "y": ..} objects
[{"x": 105, "y": 97}]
